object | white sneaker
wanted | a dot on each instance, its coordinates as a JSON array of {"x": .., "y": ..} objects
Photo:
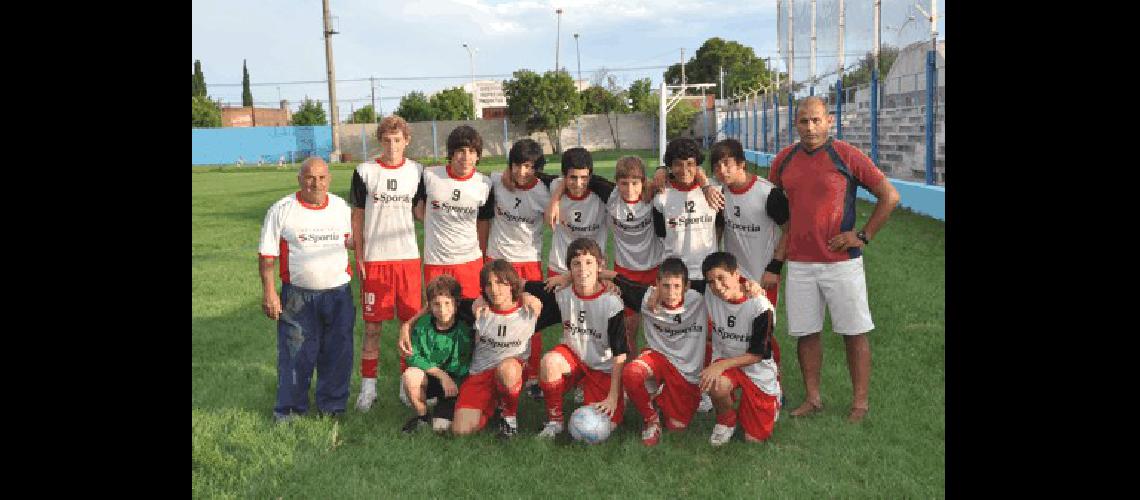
[
  {"x": 721, "y": 434},
  {"x": 654, "y": 388},
  {"x": 706, "y": 403},
  {"x": 367, "y": 394},
  {"x": 579, "y": 396},
  {"x": 550, "y": 430}
]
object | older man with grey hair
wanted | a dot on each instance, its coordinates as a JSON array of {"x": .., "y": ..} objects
[{"x": 308, "y": 233}]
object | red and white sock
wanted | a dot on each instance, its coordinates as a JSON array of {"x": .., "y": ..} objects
[{"x": 552, "y": 396}]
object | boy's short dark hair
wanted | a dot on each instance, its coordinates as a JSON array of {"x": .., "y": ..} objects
[
  {"x": 525, "y": 150},
  {"x": 582, "y": 246},
  {"x": 722, "y": 260},
  {"x": 680, "y": 149},
  {"x": 444, "y": 284},
  {"x": 674, "y": 267},
  {"x": 577, "y": 158},
  {"x": 505, "y": 272},
  {"x": 727, "y": 148},
  {"x": 464, "y": 136}
]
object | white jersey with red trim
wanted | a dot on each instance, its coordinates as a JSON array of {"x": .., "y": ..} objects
[
  {"x": 732, "y": 325},
  {"x": 500, "y": 335},
  {"x": 635, "y": 246},
  {"x": 679, "y": 333},
  {"x": 389, "y": 228},
  {"x": 516, "y": 230},
  {"x": 749, "y": 233},
  {"x": 585, "y": 325},
  {"x": 309, "y": 241},
  {"x": 690, "y": 226},
  {"x": 449, "y": 222},
  {"x": 578, "y": 218}
]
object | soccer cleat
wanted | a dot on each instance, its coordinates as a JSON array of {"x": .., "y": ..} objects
[
  {"x": 721, "y": 434},
  {"x": 653, "y": 387},
  {"x": 367, "y": 394},
  {"x": 533, "y": 390},
  {"x": 508, "y": 428},
  {"x": 550, "y": 430},
  {"x": 651, "y": 435},
  {"x": 706, "y": 403},
  {"x": 413, "y": 424},
  {"x": 579, "y": 395}
]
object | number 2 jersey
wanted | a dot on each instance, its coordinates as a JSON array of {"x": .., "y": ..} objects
[
  {"x": 583, "y": 217},
  {"x": 386, "y": 193},
  {"x": 745, "y": 326}
]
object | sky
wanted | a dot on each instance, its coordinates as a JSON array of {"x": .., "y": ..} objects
[{"x": 417, "y": 45}]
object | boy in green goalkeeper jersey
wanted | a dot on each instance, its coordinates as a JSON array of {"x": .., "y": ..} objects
[{"x": 441, "y": 356}]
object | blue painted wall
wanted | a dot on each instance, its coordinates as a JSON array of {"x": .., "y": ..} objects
[
  {"x": 214, "y": 146},
  {"x": 919, "y": 197}
]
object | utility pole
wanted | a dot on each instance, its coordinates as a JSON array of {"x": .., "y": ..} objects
[
  {"x": 811, "y": 72},
  {"x": 683, "y": 69},
  {"x": 557, "y": 38},
  {"x": 471, "y": 56},
  {"x": 333, "y": 114},
  {"x": 577, "y": 121},
  {"x": 372, "y": 84},
  {"x": 722, "y": 83}
]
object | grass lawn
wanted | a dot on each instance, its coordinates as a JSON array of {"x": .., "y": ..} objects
[{"x": 897, "y": 452}]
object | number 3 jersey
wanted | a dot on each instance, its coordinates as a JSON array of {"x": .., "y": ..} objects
[
  {"x": 386, "y": 193},
  {"x": 745, "y": 326},
  {"x": 453, "y": 205}
]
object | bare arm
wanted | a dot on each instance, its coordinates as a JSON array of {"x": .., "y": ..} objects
[
  {"x": 887, "y": 197},
  {"x": 418, "y": 210},
  {"x": 358, "y": 239},
  {"x": 270, "y": 302},
  {"x": 769, "y": 279},
  {"x": 404, "y": 339},
  {"x": 483, "y": 229}
]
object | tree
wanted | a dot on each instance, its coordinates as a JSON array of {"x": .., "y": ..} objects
[
  {"x": 414, "y": 107},
  {"x": 640, "y": 98},
  {"x": 862, "y": 73},
  {"x": 453, "y": 104},
  {"x": 364, "y": 115},
  {"x": 597, "y": 100},
  {"x": 678, "y": 119},
  {"x": 246, "y": 95},
  {"x": 199, "y": 80},
  {"x": 742, "y": 69},
  {"x": 311, "y": 113},
  {"x": 542, "y": 103},
  {"x": 206, "y": 113}
]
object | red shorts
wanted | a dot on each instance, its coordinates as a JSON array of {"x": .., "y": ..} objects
[
  {"x": 467, "y": 274},
  {"x": 528, "y": 271},
  {"x": 392, "y": 288},
  {"x": 758, "y": 410},
  {"x": 595, "y": 383},
  {"x": 647, "y": 277},
  {"x": 679, "y": 398},
  {"x": 480, "y": 392}
]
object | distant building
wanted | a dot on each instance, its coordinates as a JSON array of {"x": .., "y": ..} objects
[
  {"x": 257, "y": 117},
  {"x": 491, "y": 101}
]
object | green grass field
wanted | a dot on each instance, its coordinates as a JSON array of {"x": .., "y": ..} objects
[{"x": 897, "y": 452}]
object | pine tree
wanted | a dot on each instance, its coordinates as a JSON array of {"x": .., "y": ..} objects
[
  {"x": 199, "y": 80},
  {"x": 246, "y": 95}
]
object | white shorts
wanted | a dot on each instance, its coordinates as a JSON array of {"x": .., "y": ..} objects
[{"x": 841, "y": 285}]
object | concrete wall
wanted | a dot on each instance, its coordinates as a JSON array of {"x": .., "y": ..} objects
[
  {"x": 633, "y": 131},
  {"x": 216, "y": 146}
]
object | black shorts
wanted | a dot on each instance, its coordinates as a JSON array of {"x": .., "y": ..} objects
[{"x": 445, "y": 408}]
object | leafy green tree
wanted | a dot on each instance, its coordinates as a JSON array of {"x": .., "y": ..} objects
[
  {"x": 246, "y": 95},
  {"x": 364, "y": 115},
  {"x": 414, "y": 107},
  {"x": 199, "y": 80},
  {"x": 311, "y": 113},
  {"x": 597, "y": 100},
  {"x": 742, "y": 69},
  {"x": 678, "y": 119},
  {"x": 862, "y": 73},
  {"x": 542, "y": 103},
  {"x": 453, "y": 104},
  {"x": 640, "y": 97},
  {"x": 206, "y": 113}
]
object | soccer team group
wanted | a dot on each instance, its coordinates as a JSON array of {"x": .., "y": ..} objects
[{"x": 697, "y": 265}]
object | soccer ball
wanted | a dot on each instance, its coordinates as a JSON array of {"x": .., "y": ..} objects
[{"x": 589, "y": 425}]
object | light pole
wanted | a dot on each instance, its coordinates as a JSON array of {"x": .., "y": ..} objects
[
  {"x": 579, "y": 53},
  {"x": 334, "y": 112},
  {"x": 557, "y": 37},
  {"x": 471, "y": 56}
]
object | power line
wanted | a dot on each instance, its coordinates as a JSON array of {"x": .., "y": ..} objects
[{"x": 391, "y": 78}]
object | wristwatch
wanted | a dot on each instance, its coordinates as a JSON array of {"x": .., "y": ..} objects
[{"x": 862, "y": 235}]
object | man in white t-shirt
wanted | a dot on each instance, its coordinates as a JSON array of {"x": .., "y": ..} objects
[
  {"x": 387, "y": 254},
  {"x": 308, "y": 233}
]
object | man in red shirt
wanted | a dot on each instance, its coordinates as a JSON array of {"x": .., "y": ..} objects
[{"x": 820, "y": 176}]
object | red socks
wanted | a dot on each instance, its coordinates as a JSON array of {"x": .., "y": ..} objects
[
  {"x": 509, "y": 397},
  {"x": 530, "y": 372},
  {"x": 728, "y": 419},
  {"x": 633, "y": 380},
  {"x": 552, "y": 396},
  {"x": 368, "y": 368}
]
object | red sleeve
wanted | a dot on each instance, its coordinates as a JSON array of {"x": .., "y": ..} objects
[
  {"x": 861, "y": 166},
  {"x": 776, "y": 161}
]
